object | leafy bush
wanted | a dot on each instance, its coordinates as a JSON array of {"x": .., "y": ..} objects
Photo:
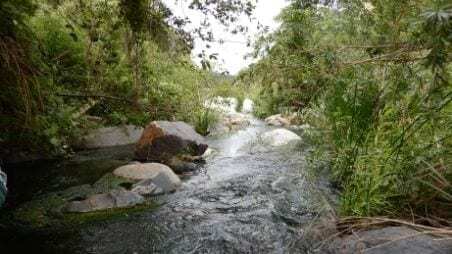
[{"x": 374, "y": 80}]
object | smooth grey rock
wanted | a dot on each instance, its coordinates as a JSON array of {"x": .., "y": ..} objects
[
  {"x": 146, "y": 188},
  {"x": 110, "y": 137},
  {"x": 126, "y": 198},
  {"x": 114, "y": 199},
  {"x": 158, "y": 174},
  {"x": 279, "y": 137},
  {"x": 400, "y": 240},
  {"x": 167, "y": 183},
  {"x": 142, "y": 171},
  {"x": 162, "y": 140}
]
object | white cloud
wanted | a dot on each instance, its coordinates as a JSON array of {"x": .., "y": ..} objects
[{"x": 231, "y": 53}]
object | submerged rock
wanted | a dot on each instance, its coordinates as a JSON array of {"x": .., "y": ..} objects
[
  {"x": 150, "y": 173},
  {"x": 279, "y": 137},
  {"x": 401, "y": 240},
  {"x": 110, "y": 137},
  {"x": 114, "y": 199},
  {"x": 162, "y": 140}
]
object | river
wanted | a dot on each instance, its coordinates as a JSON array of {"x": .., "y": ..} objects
[{"x": 247, "y": 198}]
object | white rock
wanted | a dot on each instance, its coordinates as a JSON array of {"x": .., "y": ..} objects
[
  {"x": 154, "y": 178},
  {"x": 222, "y": 105},
  {"x": 279, "y": 137},
  {"x": 247, "y": 106},
  {"x": 208, "y": 153},
  {"x": 230, "y": 122}
]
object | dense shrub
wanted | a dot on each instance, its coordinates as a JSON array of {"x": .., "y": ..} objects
[{"x": 374, "y": 80}]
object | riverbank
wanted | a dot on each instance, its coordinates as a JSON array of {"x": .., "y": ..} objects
[{"x": 256, "y": 193}]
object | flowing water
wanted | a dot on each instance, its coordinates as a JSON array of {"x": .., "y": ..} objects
[{"x": 248, "y": 198}]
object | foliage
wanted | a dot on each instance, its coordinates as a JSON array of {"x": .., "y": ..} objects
[
  {"x": 67, "y": 66},
  {"x": 374, "y": 79}
]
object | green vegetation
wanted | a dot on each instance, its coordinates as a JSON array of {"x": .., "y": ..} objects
[
  {"x": 67, "y": 66},
  {"x": 374, "y": 79}
]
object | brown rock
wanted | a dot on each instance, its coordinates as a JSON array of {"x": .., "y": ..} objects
[{"x": 162, "y": 140}]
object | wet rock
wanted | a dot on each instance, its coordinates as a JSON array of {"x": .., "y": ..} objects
[
  {"x": 401, "y": 240},
  {"x": 280, "y": 184},
  {"x": 158, "y": 174},
  {"x": 279, "y": 137},
  {"x": 114, "y": 199},
  {"x": 208, "y": 153},
  {"x": 222, "y": 105},
  {"x": 167, "y": 182},
  {"x": 110, "y": 182},
  {"x": 76, "y": 192},
  {"x": 146, "y": 188},
  {"x": 110, "y": 137},
  {"x": 3, "y": 189},
  {"x": 162, "y": 140},
  {"x": 277, "y": 120},
  {"x": 180, "y": 166},
  {"x": 247, "y": 106},
  {"x": 230, "y": 122},
  {"x": 144, "y": 171}
]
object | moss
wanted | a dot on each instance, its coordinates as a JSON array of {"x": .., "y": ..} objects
[
  {"x": 46, "y": 211},
  {"x": 80, "y": 219},
  {"x": 41, "y": 212}
]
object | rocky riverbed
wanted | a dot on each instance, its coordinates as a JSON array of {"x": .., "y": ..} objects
[{"x": 253, "y": 194}]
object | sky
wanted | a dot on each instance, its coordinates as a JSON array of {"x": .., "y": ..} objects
[{"x": 232, "y": 52}]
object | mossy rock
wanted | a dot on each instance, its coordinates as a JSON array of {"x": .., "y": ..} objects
[
  {"x": 110, "y": 182},
  {"x": 47, "y": 210}
]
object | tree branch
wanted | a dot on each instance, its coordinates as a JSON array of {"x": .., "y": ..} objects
[{"x": 98, "y": 96}]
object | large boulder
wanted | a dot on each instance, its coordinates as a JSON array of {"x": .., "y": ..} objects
[
  {"x": 401, "y": 240},
  {"x": 110, "y": 137},
  {"x": 162, "y": 140},
  {"x": 279, "y": 137},
  {"x": 118, "y": 198},
  {"x": 158, "y": 175}
]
